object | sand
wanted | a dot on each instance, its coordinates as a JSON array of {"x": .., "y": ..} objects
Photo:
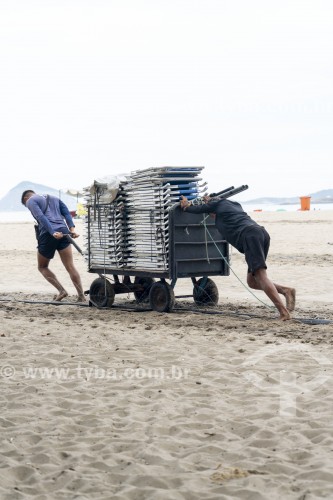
[{"x": 119, "y": 404}]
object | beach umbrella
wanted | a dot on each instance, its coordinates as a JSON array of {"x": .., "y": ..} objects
[
  {"x": 73, "y": 192},
  {"x": 80, "y": 210}
]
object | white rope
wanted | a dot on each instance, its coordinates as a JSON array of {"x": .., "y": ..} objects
[{"x": 233, "y": 272}]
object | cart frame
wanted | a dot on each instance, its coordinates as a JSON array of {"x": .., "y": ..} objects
[{"x": 191, "y": 253}]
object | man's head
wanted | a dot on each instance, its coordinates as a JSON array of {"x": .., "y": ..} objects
[{"x": 26, "y": 195}]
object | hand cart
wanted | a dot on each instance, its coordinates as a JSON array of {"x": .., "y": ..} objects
[{"x": 143, "y": 250}]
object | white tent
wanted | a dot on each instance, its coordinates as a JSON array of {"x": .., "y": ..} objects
[{"x": 73, "y": 192}]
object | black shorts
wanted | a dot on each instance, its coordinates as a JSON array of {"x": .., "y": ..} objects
[
  {"x": 255, "y": 241},
  {"x": 48, "y": 244}
]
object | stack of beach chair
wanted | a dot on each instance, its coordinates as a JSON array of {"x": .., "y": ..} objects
[{"x": 132, "y": 232}]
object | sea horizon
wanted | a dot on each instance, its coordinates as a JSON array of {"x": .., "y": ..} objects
[
  {"x": 25, "y": 216},
  {"x": 284, "y": 207}
]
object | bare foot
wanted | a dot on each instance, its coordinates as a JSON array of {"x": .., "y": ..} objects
[
  {"x": 290, "y": 296},
  {"x": 60, "y": 296},
  {"x": 81, "y": 298},
  {"x": 285, "y": 316}
]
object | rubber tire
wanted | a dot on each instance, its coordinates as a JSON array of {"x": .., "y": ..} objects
[
  {"x": 143, "y": 297},
  {"x": 206, "y": 296},
  {"x": 161, "y": 297},
  {"x": 101, "y": 293}
]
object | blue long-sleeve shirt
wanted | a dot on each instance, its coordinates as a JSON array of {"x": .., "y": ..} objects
[{"x": 56, "y": 217}]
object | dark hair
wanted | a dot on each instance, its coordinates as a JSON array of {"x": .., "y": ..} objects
[{"x": 24, "y": 194}]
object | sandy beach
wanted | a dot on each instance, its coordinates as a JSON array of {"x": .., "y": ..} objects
[{"x": 130, "y": 404}]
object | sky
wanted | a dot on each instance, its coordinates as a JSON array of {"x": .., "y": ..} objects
[{"x": 91, "y": 88}]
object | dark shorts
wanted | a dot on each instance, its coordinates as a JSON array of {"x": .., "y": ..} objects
[
  {"x": 256, "y": 245},
  {"x": 48, "y": 244}
]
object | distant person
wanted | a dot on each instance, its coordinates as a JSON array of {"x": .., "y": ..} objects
[
  {"x": 249, "y": 238},
  {"x": 54, "y": 223}
]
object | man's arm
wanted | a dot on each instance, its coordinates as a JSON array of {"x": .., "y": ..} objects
[
  {"x": 33, "y": 205},
  {"x": 198, "y": 209},
  {"x": 68, "y": 218}
]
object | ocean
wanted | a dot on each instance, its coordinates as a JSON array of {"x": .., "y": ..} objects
[
  {"x": 25, "y": 216},
  {"x": 266, "y": 207},
  {"x": 18, "y": 216}
]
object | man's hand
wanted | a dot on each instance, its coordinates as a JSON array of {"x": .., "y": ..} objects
[
  {"x": 73, "y": 234},
  {"x": 57, "y": 235},
  {"x": 184, "y": 202}
]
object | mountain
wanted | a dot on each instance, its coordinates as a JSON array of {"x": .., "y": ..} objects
[
  {"x": 11, "y": 202},
  {"x": 323, "y": 196}
]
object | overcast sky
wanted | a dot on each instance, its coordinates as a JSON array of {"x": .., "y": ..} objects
[{"x": 90, "y": 88}]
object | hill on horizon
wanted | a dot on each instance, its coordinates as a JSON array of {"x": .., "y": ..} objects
[
  {"x": 11, "y": 202},
  {"x": 323, "y": 196}
]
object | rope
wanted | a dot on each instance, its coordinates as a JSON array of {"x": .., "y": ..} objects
[
  {"x": 206, "y": 243},
  {"x": 246, "y": 316},
  {"x": 233, "y": 272}
]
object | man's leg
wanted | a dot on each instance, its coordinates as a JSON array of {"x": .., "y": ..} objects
[
  {"x": 290, "y": 295},
  {"x": 287, "y": 292},
  {"x": 260, "y": 281},
  {"x": 43, "y": 268},
  {"x": 66, "y": 256}
]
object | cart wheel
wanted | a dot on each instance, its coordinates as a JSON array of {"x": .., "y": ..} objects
[
  {"x": 101, "y": 293},
  {"x": 142, "y": 296},
  {"x": 205, "y": 292},
  {"x": 161, "y": 297}
]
